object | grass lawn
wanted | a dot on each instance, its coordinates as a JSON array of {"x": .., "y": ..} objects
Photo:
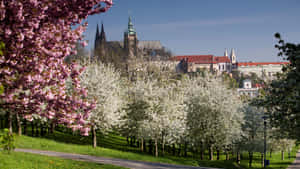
[
  {"x": 51, "y": 145},
  {"x": 18, "y": 160},
  {"x": 116, "y": 147}
]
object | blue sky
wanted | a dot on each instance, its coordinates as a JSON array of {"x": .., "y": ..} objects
[{"x": 205, "y": 26}]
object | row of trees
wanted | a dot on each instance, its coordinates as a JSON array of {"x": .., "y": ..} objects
[{"x": 163, "y": 109}]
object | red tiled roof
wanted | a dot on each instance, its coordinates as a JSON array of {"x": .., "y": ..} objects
[
  {"x": 193, "y": 58},
  {"x": 202, "y": 59},
  {"x": 261, "y": 63},
  {"x": 222, "y": 59},
  {"x": 257, "y": 85}
]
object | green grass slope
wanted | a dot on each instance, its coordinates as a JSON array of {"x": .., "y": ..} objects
[
  {"x": 115, "y": 146},
  {"x": 18, "y": 160}
]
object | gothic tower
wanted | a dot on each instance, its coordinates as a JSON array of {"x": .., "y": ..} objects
[
  {"x": 96, "y": 38},
  {"x": 226, "y": 53},
  {"x": 130, "y": 41},
  {"x": 100, "y": 44},
  {"x": 233, "y": 57}
]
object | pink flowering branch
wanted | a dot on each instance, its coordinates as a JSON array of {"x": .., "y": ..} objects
[{"x": 38, "y": 36}]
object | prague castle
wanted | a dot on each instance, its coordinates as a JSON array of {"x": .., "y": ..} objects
[
  {"x": 194, "y": 63},
  {"x": 128, "y": 50}
]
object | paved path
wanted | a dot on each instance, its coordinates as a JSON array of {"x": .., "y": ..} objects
[
  {"x": 119, "y": 162},
  {"x": 296, "y": 163}
]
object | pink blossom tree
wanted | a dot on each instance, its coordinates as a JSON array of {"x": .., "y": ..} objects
[{"x": 38, "y": 36}]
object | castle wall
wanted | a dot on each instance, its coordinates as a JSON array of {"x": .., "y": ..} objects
[{"x": 264, "y": 71}]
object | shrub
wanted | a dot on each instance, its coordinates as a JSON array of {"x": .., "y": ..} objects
[{"x": 7, "y": 140}]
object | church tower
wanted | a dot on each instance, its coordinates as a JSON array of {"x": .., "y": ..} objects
[
  {"x": 226, "y": 53},
  {"x": 96, "y": 37},
  {"x": 130, "y": 41},
  {"x": 233, "y": 57},
  {"x": 100, "y": 44}
]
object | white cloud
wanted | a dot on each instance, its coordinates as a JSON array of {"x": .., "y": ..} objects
[{"x": 204, "y": 23}]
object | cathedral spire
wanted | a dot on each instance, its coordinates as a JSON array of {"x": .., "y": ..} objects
[
  {"x": 97, "y": 31},
  {"x": 102, "y": 36},
  {"x": 97, "y": 36},
  {"x": 226, "y": 53},
  {"x": 233, "y": 56},
  {"x": 131, "y": 30}
]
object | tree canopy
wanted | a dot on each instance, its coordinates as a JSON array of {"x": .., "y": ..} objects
[{"x": 282, "y": 96}]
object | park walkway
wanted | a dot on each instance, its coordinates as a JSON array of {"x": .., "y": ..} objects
[
  {"x": 119, "y": 162},
  {"x": 296, "y": 163}
]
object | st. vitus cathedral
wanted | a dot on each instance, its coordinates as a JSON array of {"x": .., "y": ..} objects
[{"x": 127, "y": 51}]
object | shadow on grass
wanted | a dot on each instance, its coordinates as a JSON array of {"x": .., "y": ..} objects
[
  {"x": 110, "y": 141},
  {"x": 220, "y": 164},
  {"x": 281, "y": 163}
]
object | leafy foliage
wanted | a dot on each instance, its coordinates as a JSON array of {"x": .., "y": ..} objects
[
  {"x": 282, "y": 97},
  {"x": 7, "y": 140}
]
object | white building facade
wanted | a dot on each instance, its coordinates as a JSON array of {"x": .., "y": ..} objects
[{"x": 265, "y": 70}]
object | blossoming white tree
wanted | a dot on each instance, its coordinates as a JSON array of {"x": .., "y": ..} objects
[
  {"x": 104, "y": 85},
  {"x": 166, "y": 113},
  {"x": 214, "y": 116}
]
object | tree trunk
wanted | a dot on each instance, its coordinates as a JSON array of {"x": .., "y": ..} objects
[
  {"x": 193, "y": 152},
  {"x": 1, "y": 122},
  {"x": 36, "y": 129},
  {"x": 10, "y": 123},
  {"x": 211, "y": 153},
  {"x": 179, "y": 150},
  {"x": 271, "y": 154},
  {"x": 19, "y": 124},
  {"x": 32, "y": 128},
  {"x": 52, "y": 127},
  {"x": 262, "y": 160},
  {"x": 6, "y": 120},
  {"x": 42, "y": 129},
  {"x": 238, "y": 157},
  {"x": 163, "y": 147},
  {"x": 25, "y": 127},
  {"x": 174, "y": 149},
  {"x": 150, "y": 147},
  {"x": 142, "y": 144},
  {"x": 137, "y": 143},
  {"x": 227, "y": 155},
  {"x": 131, "y": 141},
  {"x": 156, "y": 148},
  {"x": 185, "y": 149},
  {"x": 134, "y": 141},
  {"x": 201, "y": 153},
  {"x": 218, "y": 154},
  {"x": 282, "y": 155},
  {"x": 94, "y": 135},
  {"x": 250, "y": 159}
]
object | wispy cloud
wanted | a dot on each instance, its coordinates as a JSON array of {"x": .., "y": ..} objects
[{"x": 205, "y": 23}]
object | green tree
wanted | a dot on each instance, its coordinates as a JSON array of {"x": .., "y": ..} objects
[
  {"x": 282, "y": 97},
  {"x": 7, "y": 140}
]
